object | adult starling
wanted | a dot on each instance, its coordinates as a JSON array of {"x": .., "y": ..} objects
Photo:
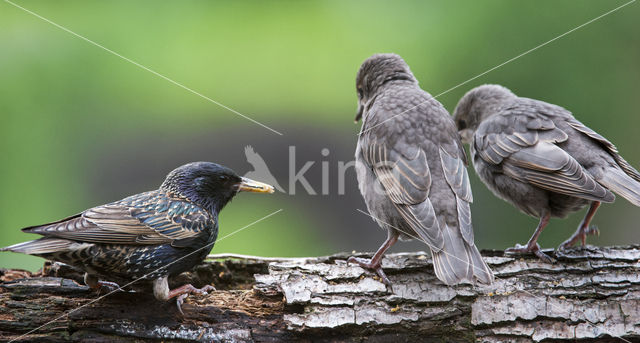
[
  {"x": 539, "y": 158},
  {"x": 148, "y": 236},
  {"x": 411, "y": 171}
]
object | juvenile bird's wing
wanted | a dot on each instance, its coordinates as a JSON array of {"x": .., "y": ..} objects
[
  {"x": 406, "y": 181},
  {"x": 148, "y": 218},
  {"x": 455, "y": 172},
  {"x": 610, "y": 148},
  {"x": 523, "y": 138}
]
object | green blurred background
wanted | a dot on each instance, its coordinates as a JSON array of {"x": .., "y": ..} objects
[{"x": 81, "y": 127}]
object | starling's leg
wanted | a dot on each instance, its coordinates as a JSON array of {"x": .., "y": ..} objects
[
  {"x": 183, "y": 292},
  {"x": 161, "y": 291},
  {"x": 375, "y": 262},
  {"x": 532, "y": 246},
  {"x": 94, "y": 283},
  {"x": 584, "y": 229}
]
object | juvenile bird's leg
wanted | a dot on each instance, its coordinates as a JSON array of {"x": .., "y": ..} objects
[
  {"x": 532, "y": 246},
  {"x": 375, "y": 262},
  {"x": 161, "y": 291},
  {"x": 583, "y": 229}
]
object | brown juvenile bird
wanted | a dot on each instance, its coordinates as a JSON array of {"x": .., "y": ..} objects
[
  {"x": 147, "y": 237},
  {"x": 539, "y": 158},
  {"x": 411, "y": 170}
]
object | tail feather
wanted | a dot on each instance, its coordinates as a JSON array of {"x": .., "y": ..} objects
[
  {"x": 459, "y": 261},
  {"x": 42, "y": 246},
  {"x": 628, "y": 169},
  {"x": 481, "y": 270},
  {"x": 622, "y": 184}
]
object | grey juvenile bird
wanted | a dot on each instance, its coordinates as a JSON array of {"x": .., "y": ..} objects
[
  {"x": 539, "y": 158},
  {"x": 148, "y": 236},
  {"x": 411, "y": 171}
]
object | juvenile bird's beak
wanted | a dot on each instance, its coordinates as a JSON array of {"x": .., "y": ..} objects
[
  {"x": 465, "y": 136},
  {"x": 359, "y": 114},
  {"x": 248, "y": 185}
]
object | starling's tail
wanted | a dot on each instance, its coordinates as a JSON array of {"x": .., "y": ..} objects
[
  {"x": 42, "y": 246},
  {"x": 458, "y": 261},
  {"x": 622, "y": 184}
]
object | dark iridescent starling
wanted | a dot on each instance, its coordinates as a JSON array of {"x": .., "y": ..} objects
[
  {"x": 542, "y": 160},
  {"x": 148, "y": 236},
  {"x": 412, "y": 172}
]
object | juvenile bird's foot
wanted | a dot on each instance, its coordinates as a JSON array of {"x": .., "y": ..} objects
[
  {"x": 369, "y": 265},
  {"x": 183, "y": 292},
  {"x": 580, "y": 236},
  {"x": 529, "y": 248}
]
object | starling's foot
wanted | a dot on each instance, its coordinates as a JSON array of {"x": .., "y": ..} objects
[
  {"x": 367, "y": 264},
  {"x": 108, "y": 286},
  {"x": 580, "y": 236},
  {"x": 529, "y": 248},
  {"x": 97, "y": 285},
  {"x": 183, "y": 292}
]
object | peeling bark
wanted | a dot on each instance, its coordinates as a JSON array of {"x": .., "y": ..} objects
[{"x": 590, "y": 295}]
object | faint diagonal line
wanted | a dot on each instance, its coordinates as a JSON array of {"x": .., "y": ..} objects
[
  {"x": 500, "y": 65},
  {"x": 120, "y": 288},
  {"x": 143, "y": 67},
  {"x": 248, "y": 225},
  {"x": 522, "y": 290}
]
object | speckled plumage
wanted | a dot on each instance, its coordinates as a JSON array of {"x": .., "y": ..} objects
[
  {"x": 147, "y": 236},
  {"x": 135, "y": 236},
  {"x": 542, "y": 160},
  {"x": 412, "y": 170}
]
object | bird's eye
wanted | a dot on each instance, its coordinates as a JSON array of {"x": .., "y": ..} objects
[
  {"x": 223, "y": 178},
  {"x": 359, "y": 92}
]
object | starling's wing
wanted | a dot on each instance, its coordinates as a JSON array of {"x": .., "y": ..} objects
[
  {"x": 455, "y": 173},
  {"x": 147, "y": 218},
  {"x": 611, "y": 149},
  {"x": 622, "y": 179},
  {"x": 406, "y": 181},
  {"x": 522, "y": 140}
]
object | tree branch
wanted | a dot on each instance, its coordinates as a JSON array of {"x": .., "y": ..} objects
[{"x": 590, "y": 294}]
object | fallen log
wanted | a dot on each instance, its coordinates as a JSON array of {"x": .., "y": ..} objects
[{"x": 590, "y": 294}]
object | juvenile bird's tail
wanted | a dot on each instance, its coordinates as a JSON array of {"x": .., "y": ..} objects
[
  {"x": 459, "y": 261},
  {"x": 622, "y": 184}
]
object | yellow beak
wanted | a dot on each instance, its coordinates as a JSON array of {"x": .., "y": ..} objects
[{"x": 248, "y": 185}]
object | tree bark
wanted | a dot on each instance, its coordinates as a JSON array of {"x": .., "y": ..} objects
[{"x": 590, "y": 294}]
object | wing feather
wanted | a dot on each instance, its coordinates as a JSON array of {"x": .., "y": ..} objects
[
  {"x": 407, "y": 181},
  {"x": 148, "y": 218},
  {"x": 455, "y": 173},
  {"x": 613, "y": 151},
  {"x": 532, "y": 155}
]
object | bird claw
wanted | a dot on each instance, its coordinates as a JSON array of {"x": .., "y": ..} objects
[
  {"x": 518, "y": 249},
  {"x": 525, "y": 249},
  {"x": 183, "y": 292},
  {"x": 593, "y": 230},
  {"x": 204, "y": 290},
  {"x": 180, "y": 301},
  {"x": 107, "y": 285},
  {"x": 581, "y": 236},
  {"x": 377, "y": 268}
]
